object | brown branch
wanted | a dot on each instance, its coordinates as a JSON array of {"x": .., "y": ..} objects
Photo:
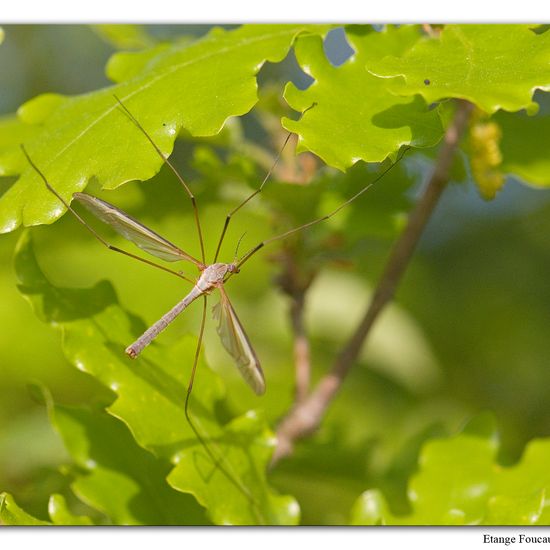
[
  {"x": 302, "y": 361},
  {"x": 430, "y": 30},
  {"x": 306, "y": 416},
  {"x": 293, "y": 282}
]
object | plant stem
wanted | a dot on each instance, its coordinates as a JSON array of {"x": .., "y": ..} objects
[
  {"x": 305, "y": 417},
  {"x": 301, "y": 349},
  {"x": 293, "y": 283}
]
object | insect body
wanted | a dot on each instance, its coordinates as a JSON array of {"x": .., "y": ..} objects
[
  {"x": 212, "y": 277},
  {"x": 230, "y": 329}
]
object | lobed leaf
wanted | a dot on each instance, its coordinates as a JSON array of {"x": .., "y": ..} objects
[
  {"x": 150, "y": 396},
  {"x": 494, "y": 66},
  {"x": 354, "y": 116},
  {"x": 524, "y": 146},
  {"x": 241, "y": 437},
  {"x": 13, "y": 131},
  {"x": 124, "y": 37},
  {"x": 116, "y": 476},
  {"x": 126, "y": 65},
  {"x": 459, "y": 482},
  {"x": 61, "y": 515},
  {"x": 194, "y": 86},
  {"x": 11, "y": 514}
]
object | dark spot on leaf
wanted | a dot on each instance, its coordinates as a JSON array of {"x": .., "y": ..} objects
[{"x": 427, "y": 81}]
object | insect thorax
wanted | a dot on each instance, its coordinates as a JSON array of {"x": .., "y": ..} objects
[{"x": 213, "y": 275}]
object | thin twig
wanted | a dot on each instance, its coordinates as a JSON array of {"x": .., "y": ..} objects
[
  {"x": 306, "y": 416},
  {"x": 429, "y": 30},
  {"x": 295, "y": 285},
  {"x": 302, "y": 361}
]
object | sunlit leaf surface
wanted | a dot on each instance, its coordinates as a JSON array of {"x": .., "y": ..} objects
[
  {"x": 150, "y": 396},
  {"x": 354, "y": 116},
  {"x": 11, "y": 514},
  {"x": 61, "y": 515},
  {"x": 195, "y": 86},
  {"x": 494, "y": 66},
  {"x": 460, "y": 482}
]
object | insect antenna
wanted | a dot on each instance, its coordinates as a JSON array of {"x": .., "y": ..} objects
[
  {"x": 237, "y": 247},
  {"x": 257, "y": 191}
]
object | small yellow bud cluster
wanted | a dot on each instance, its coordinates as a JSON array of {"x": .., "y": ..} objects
[{"x": 485, "y": 155}]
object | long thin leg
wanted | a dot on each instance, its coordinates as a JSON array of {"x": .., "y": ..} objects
[
  {"x": 195, "y": 362},
  {"x": 249, "y": 198},
  {"x": 257, "y": 192},
  {"x": 173, "y": 168},
  {"x": 217, "y": 460},
  {"x": 255, "y": 249},
  {"x": 93, "y": 231}
]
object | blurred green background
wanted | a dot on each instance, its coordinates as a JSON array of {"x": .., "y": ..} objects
[{"x": 468, "y": 332}]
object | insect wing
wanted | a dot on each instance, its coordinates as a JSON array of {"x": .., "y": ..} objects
[
  {"x": 134, "y": 231},
  {"x": 235, "y": 341}
]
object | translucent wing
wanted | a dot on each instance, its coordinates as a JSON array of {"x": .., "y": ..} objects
[
  {"x": 134, "y": 231},
  {"x": 236, "y": 342}
]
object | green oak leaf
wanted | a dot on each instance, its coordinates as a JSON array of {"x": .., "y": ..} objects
[
  {"x": 454, "y": 482},
  {"x": 528, "y": 481},
  {"x": 244, "y": 435},
  {"x": 354, "y": 117},
  {"x": 116, "y": 476},
  {"x": 195, "y": 86},
  {"x": 494, "y": 66},
  {"x": 125, "y": 37},
  {"x": 11, "y": 514},
  {"x": 370, "y": 509},
  {"x": 524, "y": 146},
  {"x": 150, "y": 394},
  {"x": 61, "y": 515},
  {"x": 459, "y": 482},
  {"x": 126, "y": 65},
  {"x": 515, "y": 510},
  {"x": 39, "y": 108},
  {"x": 13, "y": 131}
]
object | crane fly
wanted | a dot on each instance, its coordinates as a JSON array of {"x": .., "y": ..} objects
[{"x": 212, "y": 276}]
